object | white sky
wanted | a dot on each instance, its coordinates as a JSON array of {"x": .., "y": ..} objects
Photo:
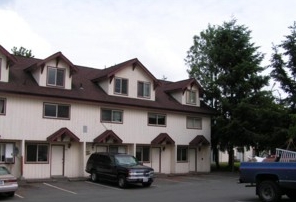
[{"x": 102, "y": 33}]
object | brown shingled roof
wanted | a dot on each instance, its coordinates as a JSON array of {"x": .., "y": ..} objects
[{"x": 11, "y": 59}]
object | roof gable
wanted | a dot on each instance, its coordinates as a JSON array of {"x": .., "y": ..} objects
[
  {"x": 11, "y": 60},
  {"x": 182, "y": 85},
  {"x": 199, "y": 140},
  {"x": 57, "y": 57},
  {"x": 62, "y": 134},
  {"x": 107, "y": 136},
  {"x": 162, "y": 138}
]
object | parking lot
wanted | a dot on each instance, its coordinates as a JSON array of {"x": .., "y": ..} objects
[{"x": 215, "y": 187}]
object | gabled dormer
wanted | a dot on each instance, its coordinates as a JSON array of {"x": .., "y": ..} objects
[
  {"x": 55, "y": 71},
  {"x": 6, "y": 61},
  {"x": 128, "y": 79},
  {"x": 186, "y": 92}
]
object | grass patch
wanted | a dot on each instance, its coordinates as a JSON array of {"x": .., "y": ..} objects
[{"x": 224, "y": 167}]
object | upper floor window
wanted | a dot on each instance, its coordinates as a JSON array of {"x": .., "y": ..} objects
[
  {"x": 121, "y": 86},
  {"x": 144, "y": 89},
  {"x": 191, "y": 97},
  {"x": 36, "y": 153},
  {"x": 2, "y": 106},
  {"x": 60, "y": 111},
  {"x": 194, "y": 122},
  {"x": 6, "y": 153},
  {"x": 109, "y": 115},
  {"x": 156, "y": 119},
  {"x": 55, "y": 77}
]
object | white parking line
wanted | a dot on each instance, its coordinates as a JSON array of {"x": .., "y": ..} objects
[
  {"x": 103, "y": 185},
  {"x": 59, "y": 188},
  {"x": 19, "y": 196}
]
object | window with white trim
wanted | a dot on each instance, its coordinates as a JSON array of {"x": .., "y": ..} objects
[
  {"x": 111, "y": 115},
  {"x": 58, "y": 111},
  {"x": 2, "y": 106},
  {"x": 55, "y": 77},
  {"x": 182, "y": 153},
  {"x": 194, "y": 122},
  {"x": 7, "y": 152},
  {"x": 191, "y": 97},
  {"x": 36, "y": 153},
  {"x": 144, "y": 89},
  {"x": 143, "y": 153},
  {"x": 121, "y": 86},
  {"x": 156, "y": 119}
]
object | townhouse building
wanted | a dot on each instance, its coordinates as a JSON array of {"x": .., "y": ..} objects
[{"x": 54, "y": 114}]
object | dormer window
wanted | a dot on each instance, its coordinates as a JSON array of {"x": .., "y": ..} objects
[
  {"x": 121, "y": 86},
  {"x": 0, "y": 67},
  {"x": 144, "y": 89},
  {"x": 55, "y": 77},
  {"x": 191, "y": 97}
]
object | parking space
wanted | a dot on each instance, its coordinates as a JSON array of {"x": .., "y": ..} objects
[{"x": 210, "y": 188}]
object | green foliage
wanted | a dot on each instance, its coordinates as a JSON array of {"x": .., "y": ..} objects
[
  {"x": 22, "y": 52},
  {"x": 227, "y": 64}
]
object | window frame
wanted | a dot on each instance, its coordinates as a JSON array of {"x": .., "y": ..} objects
[
  {"x": 121, "y": 86},
  {"x": 0, "y": 68},
  {"x": 193, "y": 118},
  {"x": 142, "y": 153},
  {"x": 112, "y": 116},
  {"x": 3, "y": 151},
  {"x": 49, "y": 68},
  {"x": 189, "y": 96},
  {"x": 157, "y": 118},
  {"x": 56, "y": 111},
  {"x": 180, "y": 156},
  {"x": 37, "y": 161},
  {"x": 143, "y": 91},
  {"x": 4, "y": 106}
]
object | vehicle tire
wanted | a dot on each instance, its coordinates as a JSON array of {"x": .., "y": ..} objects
[
  {"x": 146, "y": 184},
  {"x": 269, "y": 191},
  {"x": 291, "y": 193},
  {"x": 94, "y": 176},
  {"x": 122, "y": 181}
]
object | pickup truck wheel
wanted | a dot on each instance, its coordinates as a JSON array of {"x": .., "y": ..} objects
[
  {"x": 291, "y": 193},
  {"x": 122, "y": 181},
  {"x": 269, "y": 191}
]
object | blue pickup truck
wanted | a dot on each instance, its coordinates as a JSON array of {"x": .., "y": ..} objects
[{"x": 272, "y": 179}]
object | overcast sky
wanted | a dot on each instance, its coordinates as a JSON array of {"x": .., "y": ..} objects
[{"x": 102, "y": 33}]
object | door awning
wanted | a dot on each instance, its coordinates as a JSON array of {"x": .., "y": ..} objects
[
  {"x": 162, "y": 139},
  {"x": 108, "y": 137},
  {"x": 63, "y": 135},
  {"x": 199, "y": 140}
]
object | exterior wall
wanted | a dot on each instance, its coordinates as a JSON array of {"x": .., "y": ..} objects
[
  {"x": 27, "y": 114},
  {"x": 4, "y": 72},
  {"x": 133, "y": 77}
]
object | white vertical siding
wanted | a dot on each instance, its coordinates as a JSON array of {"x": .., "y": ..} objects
[{"x": 4, "y": 74}]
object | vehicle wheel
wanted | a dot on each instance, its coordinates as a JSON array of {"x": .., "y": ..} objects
[
  {"x": 146, "y": 184},
  {"x": 94, "y": 176},
  {"x": 291, "y": 193},
  {"x": 122, "y": 181},
  {"x": 269, "y": 191}
]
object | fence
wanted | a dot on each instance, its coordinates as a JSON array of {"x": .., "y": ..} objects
[{"x": 286, "y": 155}]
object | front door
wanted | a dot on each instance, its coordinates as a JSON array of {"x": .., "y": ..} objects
[
  {"x": 155, "y": 159},
  {"x": 192, "y": 160},
  {"x": 57, "y": 160}
]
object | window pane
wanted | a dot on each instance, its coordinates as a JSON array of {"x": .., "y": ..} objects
[
  {"x": 2, "y": 152},
  {"x": 60, "y": 78},
  {"x": 51, "y": 76},
  {"x": 124, "y": 86},
  {"x": 147, "y": 90},
  {"x": 2, "y": 106},
  {"x": 106, "y": 115},
  {"x": 31, "y": 154},
  {"x": 117, "y": 116},
  {"x": 63, "y": 111},
  {"x": 42, "y": 152},
  {"x": 118, "y": 85},
  {"x": 140, "y": 89},
  {"x": 139, "y": 153},
  {"x": 161, "y": 120},
  {"x": 152, "y": 119},
  {"x": 50, "y": 110},
  {"x": 146, "y": 154}
]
